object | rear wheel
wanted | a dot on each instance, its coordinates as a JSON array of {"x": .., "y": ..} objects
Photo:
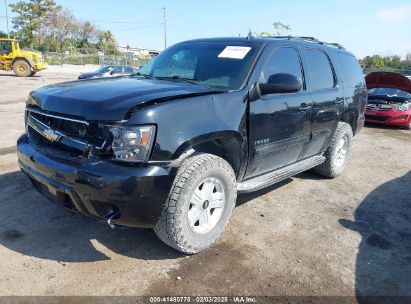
[
  {"x": 21, "y": 68},
  {"x": 338, "y": 152},
  {"x": 199, "y": 205}
]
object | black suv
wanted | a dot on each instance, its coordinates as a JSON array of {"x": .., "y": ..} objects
[{"x": 171, "y": 146}]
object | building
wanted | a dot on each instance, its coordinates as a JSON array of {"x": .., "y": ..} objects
[{"x": 140, "y": 53}]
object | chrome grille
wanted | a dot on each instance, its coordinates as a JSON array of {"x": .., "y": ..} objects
[{"x": 58, "y": 133}]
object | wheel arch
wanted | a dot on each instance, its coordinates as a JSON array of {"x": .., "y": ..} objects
[
  {"x": 229, "y": 145},
  {"x": 29, "y": 61},
  {"x": 350, "y": 116}
]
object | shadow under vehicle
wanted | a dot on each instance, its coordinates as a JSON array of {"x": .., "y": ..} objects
[{"x": 383, "y": 266}]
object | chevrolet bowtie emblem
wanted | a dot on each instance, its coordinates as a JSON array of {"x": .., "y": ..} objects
[{"x": 51, "y": 135}]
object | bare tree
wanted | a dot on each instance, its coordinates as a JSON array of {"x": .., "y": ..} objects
[
  {"x": 87, "y": 35},
  {"x": 63, "y": 25}
]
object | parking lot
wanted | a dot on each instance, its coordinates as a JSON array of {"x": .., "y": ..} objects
[{"x": 305, "y": 236}]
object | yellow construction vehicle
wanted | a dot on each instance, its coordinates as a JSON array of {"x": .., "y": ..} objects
[{"x": 24, "y": 63}]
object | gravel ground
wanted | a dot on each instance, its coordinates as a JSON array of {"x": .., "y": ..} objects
[{"x": 305, "y": 236}]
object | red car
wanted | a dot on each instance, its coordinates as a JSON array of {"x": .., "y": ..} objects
[{"x": 389, "y": 99}]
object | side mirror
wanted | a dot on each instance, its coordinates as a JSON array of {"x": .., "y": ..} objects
[{"x": 281, "y": 83}]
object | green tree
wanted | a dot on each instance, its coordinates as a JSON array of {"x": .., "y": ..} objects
[
  {"x": 3, "y": 34},
  {"x": 265, "y": 34},
  {"x": 107, "y": 43},
  {"x": 279, "y": 29},
  {"x": 386, "y": 63},
  {"x": 44, "y": 25},
  {"x": 33, "y": 18}
]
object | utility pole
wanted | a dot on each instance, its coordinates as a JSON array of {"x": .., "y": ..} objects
[
  {"x": 165, "y": 27},
  {"x": 7, "y": 18}
]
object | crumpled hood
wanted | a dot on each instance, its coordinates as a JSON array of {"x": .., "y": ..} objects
[
  {"x": 388, "y": 80},
  {"x": 110, "y": 99}
]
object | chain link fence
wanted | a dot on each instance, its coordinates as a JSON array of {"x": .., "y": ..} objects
[{"x": 53, "y": 58}]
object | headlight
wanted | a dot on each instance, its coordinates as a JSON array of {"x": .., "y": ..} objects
[
  {"x": 403, "y": 107},
  {"x": 132, "y": 144}
]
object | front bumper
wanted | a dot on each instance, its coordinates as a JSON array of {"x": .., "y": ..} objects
[
  {"x": 40, "y": 66},
  {"x": 97, "y": 188},
  {"x": 391, "y": 117}
]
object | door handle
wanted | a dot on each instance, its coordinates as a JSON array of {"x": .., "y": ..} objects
[
  {"x": 339, "y": 100},
  {"x": 304, "y": 107}
]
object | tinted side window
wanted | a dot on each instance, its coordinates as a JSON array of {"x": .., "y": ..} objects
[
  {"x": 283, "y": 60},
  {"x": 128, "y": 70},
  {"x": 350, "y": 69},
  {"x": 117, "y": 70},
  {"x": 322, "y": 76}
]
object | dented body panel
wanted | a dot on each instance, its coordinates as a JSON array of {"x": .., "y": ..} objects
[{"x": 255, "y": 133}]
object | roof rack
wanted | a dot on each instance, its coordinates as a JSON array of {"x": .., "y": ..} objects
[
  {"x": 309, "y": 39},
  {"x": 337, "y": 45}
]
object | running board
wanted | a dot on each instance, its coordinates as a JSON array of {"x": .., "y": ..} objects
[{"x": 273, "y": 177}]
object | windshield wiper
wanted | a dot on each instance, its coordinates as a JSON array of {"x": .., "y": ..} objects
[
  {"x": 141, "y": 75},
  {"x": 189, "y": 80}
]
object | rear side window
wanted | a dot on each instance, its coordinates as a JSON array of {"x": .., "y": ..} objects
[
  {"x": 128, "y": 70},
  {"x": 350, "y": 70},
  {"x": 282, "y": 60},
  {"x": 322, "y": 76},
  {"x": 117, "y": 70}
]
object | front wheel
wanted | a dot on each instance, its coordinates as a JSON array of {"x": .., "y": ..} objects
[
  {"x": 21, "y": 68},
  {"x": 199, "y": 205},
  {"x": 338, "y": 152}
]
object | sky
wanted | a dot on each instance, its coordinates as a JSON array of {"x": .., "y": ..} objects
[{"x": 364, "y": 27}]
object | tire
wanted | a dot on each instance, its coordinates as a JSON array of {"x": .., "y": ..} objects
[
  {"x": 21, "y": 68},
  {"x": 408, "y": 127},
  {"x": 336, "y": 159},
  {"x": 32, "y": 74},
  {"x": 213, "y": 181}
]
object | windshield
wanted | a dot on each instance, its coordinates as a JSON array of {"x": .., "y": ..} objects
[
  {"x": 215, "y": 64},
  {"x": 389, "y": 92}
]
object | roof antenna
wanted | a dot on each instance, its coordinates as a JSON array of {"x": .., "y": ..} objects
[{"x": 250, "y": 35}]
